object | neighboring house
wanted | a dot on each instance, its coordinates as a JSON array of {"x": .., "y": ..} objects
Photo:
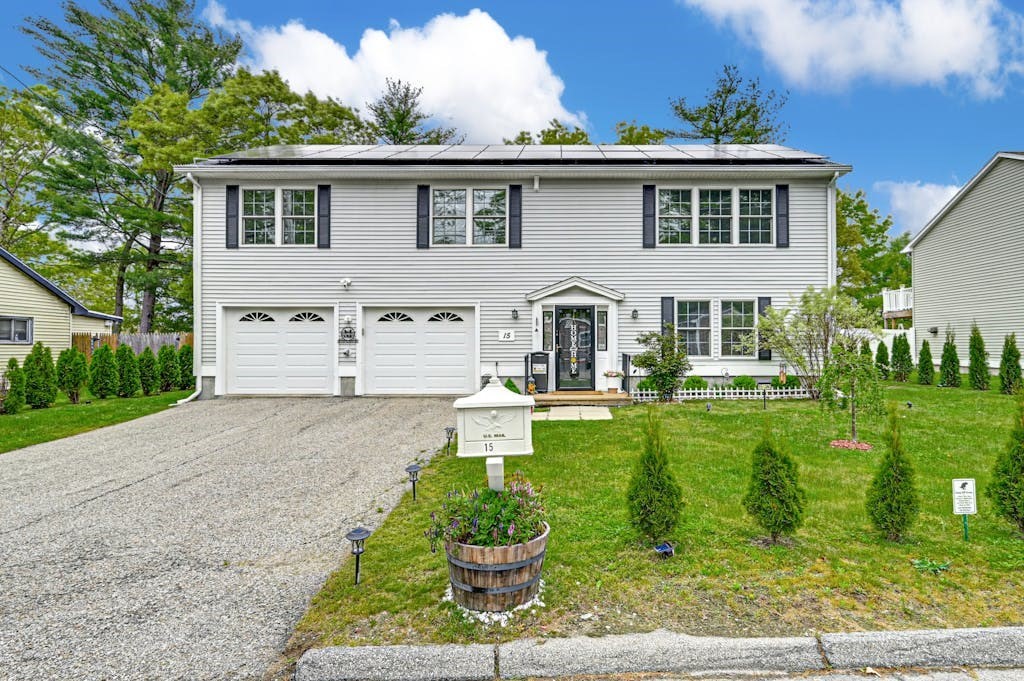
[
  {"x": 967, "y": 262},
  {"x": 395, "y": 270},
  {"x": 32, "y": 308}
]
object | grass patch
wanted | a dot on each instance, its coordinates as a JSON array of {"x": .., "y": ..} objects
[
  {"x": 838, "y": 574},
  {"x": 63, "y": 419}
]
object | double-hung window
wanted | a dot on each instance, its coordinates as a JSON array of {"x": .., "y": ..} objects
[
  {"x": 279, "y": 216},
  {"x": 485, "y": 209},
  {"x": 715, "y": 217},
  {"x": 16, "y": 330},
  {"x": 675, "y": 217},
  {"x": 755, "y": 216},
  {"x": 693, "y": 321},
  {"x": 738, "y": 325}
]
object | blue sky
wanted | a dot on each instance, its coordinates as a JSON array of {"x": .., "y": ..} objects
[{"x": 915, "y": 94}]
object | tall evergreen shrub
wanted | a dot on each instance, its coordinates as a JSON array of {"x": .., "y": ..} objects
[
  {"x": 103, "y": 373},
  {"x": 902, "y": 359},
  {"x": 925, "y": 365},
  {"x": 882, "y": 360},
  {"x": 1010, "y": 382},
  {"x": 167, "y": 361},
  {"x": 978, "y": 365},
  {"x": 949, "y": 365},
  {"x": 72, "y": 374},
  {"x": 774, "y": 498},
  {"x": 40, "y": 377},
  {"x": 149, "y": 375},
  {"x": 128, "y": 382},
  {"x": 865, "y": 349},
  {"x": 1007, "y": 486},
  {"x": 654, "y": 497},
  {"x": 892, "y": 499},
  {"x": 15, "y": 398},
  {"x": 186, "y": 381}
]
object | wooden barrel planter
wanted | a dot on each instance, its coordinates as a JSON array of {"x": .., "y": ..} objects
[{"x": 495, "y": 579}]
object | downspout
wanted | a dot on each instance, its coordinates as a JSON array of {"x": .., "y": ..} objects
[
  {"x": 831, "y": 223},
  {"x": 197, "y": 355}
]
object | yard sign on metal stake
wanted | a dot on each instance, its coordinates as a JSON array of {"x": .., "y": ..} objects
[{"x": 965, "y": 502}]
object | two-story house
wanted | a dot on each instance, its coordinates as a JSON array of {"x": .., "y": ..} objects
[{"x": 400, "y": 270}]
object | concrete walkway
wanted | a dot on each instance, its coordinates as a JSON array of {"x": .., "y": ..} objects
[
  {"x": 186, "y": 545},
  {"x": 574, "y": 413}
]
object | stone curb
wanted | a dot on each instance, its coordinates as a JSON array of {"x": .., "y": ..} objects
[
  {"x": 994, "y": 647},
  {"x": 666, "y": 652}
]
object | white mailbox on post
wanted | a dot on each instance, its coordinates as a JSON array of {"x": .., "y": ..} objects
[{"x": 495, "y": 423}]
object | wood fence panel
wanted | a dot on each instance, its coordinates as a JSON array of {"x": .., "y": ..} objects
[{"x": 86, "y": 342}]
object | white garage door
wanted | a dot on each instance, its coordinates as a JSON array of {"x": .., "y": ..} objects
[
  {"x": 419, "y": 351},
  {"x": 280, "y": 351}
]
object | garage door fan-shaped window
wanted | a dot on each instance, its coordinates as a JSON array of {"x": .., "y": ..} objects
[
  {"x": 306, "y": 317},
  {"x": 256, "y": 317},
  {"x": 395, "y": 317},
  {"x": 445, "y": 317}
]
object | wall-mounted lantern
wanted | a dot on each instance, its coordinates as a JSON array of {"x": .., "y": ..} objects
[
  {"x": 515, "y": 313},
  {"x": 635, "y": 314}
]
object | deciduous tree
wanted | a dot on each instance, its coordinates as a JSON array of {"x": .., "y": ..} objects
[
  {"x": 868, "y": 258},
  {"x": 850, "y": 380},
  {"x": 664, "y": 359}
]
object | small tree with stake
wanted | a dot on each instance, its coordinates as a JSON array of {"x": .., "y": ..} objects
[
  {"x": 949, "y": 365},
  {"x": 1010, "y": 382},
  {"x": 774, "y": 498},
  {"x": 664, "y": 359},
  {"x": 1007, "y": 486},
  {"x": 977, "y": 370},
  {"x": 892, "y": 500},
  {"x": 902, "y": 360},
  {"x": 851, "y": 380},
  {"x": 925, "y": 365},
  {"x": 654, "y": 498}
]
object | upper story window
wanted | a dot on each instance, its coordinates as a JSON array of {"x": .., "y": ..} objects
[
  {"x": 755, "y": 216},
  {"x": 715, "y": 226},
  {"x": 16, "y": 330},
  {"x": 279, "y": 216},
  {"x": 675, "y": 216},
  {"x": 738, "y": 323},
  {"x": 693, "y": 321},
  {"x": 486, "y": 209}
]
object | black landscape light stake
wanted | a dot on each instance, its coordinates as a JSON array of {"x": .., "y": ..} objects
[
  {"x": 449, "y": 432},
  {"x": 414, "y": 474},
  {"x": 764, "y": 397},
  {"x": 358, "y": 538}
]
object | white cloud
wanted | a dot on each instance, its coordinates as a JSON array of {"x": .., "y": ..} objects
[
  {"x": 914, "y": 204},
  {"x": 474, "y": 76},
  {"x": 828, "y": 45}
]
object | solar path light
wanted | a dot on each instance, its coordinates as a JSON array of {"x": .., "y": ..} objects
[
  {"x": 358, "y": 538},
  {"x": 449, "y": 432},
  {"x": 414, "y": 474}
]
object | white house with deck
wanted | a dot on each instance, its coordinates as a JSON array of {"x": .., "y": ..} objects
[{"x": 417, "y": 270}]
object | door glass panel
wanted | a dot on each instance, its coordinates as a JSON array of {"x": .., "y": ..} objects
[
  {"x": 575, "y": 348},
  {"x": 549, "y": 330}
]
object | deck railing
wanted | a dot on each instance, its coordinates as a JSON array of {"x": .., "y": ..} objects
[{"x": 897, "y": 300}]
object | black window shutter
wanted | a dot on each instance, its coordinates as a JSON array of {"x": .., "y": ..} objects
[
  {"x": 231, "y": 216},
  {"x": 782, "y": 215},
  {"x": 668, "y": 309},
  {"x": 649, "y": 231},
  {"x": 515, "y": 216},
  {"x": 423, "y": 216},
  {"x": 762, "y": 306},
  {"x": 323, "y": 216}
]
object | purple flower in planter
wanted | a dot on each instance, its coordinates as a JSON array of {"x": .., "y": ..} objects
[{"x": 511, "y": 529}]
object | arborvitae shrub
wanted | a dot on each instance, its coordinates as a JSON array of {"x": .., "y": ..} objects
[
  {"x": 949, "y": 365},
  {"x": 167, "y": 361},
  {"x": 40, "y": 377},
  {"x": 103, "y": 373},
  {"x": 654, "y": 497},
  {"x": 774, "y": 498},
  {"x": 72, "y": 374},
  {"x": 1010, "y": 382},
  {"x": 902, "y": 360},
  {"x": 865, "y": 349},
  {"x": 149, "y": 376},
  {"x": 15, "y": 398},
  {"x": 978, "y": 367},
  {"x": 1007, "y": 486},
  {"x": 511, "y": 385},
  {"x": 925, "y": 365},
  {"x": 882, "y": 360},
  {"x": 186, "y": 381},
  {"x": 128, "y": 382},
  {"x": 892, "y": 500},
  {"x": 695, "y": 383}
]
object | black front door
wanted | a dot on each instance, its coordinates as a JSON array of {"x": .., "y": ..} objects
[{"x": 574, "y": 349}]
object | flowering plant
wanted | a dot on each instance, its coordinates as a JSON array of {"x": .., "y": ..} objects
[
  {"x": 612, "y": 373},
  {"x": 514, "y": 515}
]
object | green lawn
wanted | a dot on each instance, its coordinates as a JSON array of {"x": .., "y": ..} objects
[
  {"x": 32, "y": 426},
  {"x": 839, "y": 575}
]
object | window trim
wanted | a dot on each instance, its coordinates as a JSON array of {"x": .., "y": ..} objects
[
  {"x": 279, "y": 216},
  {"x": 710, "y": 327},
  {"x": 722, "y": 327},
  {"x": 734, "y": 233},
  {"x": 30, "y": 328},
  {"x": 470, "y": 217}
]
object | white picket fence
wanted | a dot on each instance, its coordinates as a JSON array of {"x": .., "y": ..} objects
[{"x": 725, "y": 394}]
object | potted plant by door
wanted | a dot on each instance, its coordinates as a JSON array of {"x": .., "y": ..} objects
[
  {"x": 495, "y": 544},
  {"x": 614, "y": 380}
]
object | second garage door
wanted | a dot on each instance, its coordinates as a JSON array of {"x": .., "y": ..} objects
[{"x": 419, "y": 351}]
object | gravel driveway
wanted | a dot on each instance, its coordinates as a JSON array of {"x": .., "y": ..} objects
[{"x": 188, "y": 543}]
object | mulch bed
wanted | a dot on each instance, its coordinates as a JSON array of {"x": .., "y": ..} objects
[{"x": 850, "y": 444}]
